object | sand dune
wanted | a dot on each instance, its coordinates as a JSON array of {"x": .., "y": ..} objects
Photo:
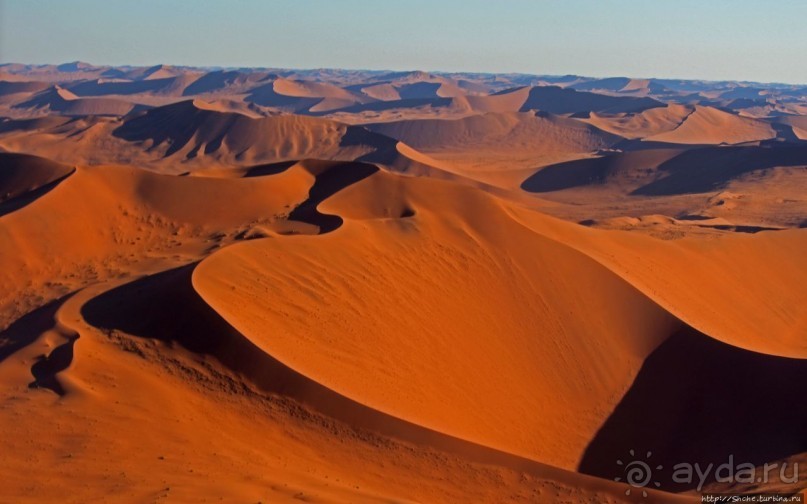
[
  {"x": 751, "y": 187},
  {"x": 644, "y": 124},
  {"x": 220, "y": 80},
  {"x": 304, "y": 96},
  {"x": 707, "y": 125},
  {"x": 173, "y": 85},
  {"x": 383, "y": 92},
  {"x": 799, "y": 125},
  {"x": 23, "y": 178},
  {"x": 61, "y": 101},
  {"x": 513, "y": 131},
  {"x": 373, "y": 211},
  {"x": 497, "y": 147},
  {"x": 666, "y": 171},
  {"x": 14, "y": 86},
  {"x": 200, "y": 133},
  {"x": 751, "y": 321},
  {"x": 568, "y": 101}
]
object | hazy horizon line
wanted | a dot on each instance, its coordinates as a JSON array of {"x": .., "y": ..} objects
[{"x": 410, "y": 70}]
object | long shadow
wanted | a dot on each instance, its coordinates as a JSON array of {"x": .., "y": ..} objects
[
  {"x": 46, "y": 369},
  {"x": 163, "y": 306},
  {"x": 693, "y": 170},
  {"x": 390, "y": 105},
  {"x": 25, "y": 199},
  {"x": 176, "y": 123},
  {"x": 268, "y": 169},
  {"x": 698, "y": 400},
  {"x": 24, "y": 178},
  {"x": 23, "y": 331},
  {"x": 593, "y": 171},
  {"x": 705, "y": 170},
  {"x": 569, "y": 174},
  {"x": 328, "y": 183},
  {"x": 95, "y": 88},
  {"x": 557, "y": 100}
]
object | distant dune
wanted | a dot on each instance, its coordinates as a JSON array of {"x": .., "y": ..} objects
[
  {"x": 61, "y": 101},
  {"x": 707, "y": 125}
]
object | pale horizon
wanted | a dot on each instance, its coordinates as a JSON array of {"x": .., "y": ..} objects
[{"x": 721, "y": 41}]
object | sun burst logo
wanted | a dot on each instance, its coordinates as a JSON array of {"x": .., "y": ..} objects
[{"x": 638, "y": 473}]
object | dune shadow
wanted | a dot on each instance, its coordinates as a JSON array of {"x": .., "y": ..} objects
[
  {"x": 557, "y": 100},
  {"x": 569, "y": 174},
  {"x": 693, "y": 170},
  {"x": 176, "y": 125},
  {"x": 25, "y": 199},
  {"x": 698, "y": 400},
  {"x": 268, "y": 169},
  {"x": 163, "y": 306},
  {"x": 709, "y": 169},
  {"x": 97, "y": 88},
  {"x": 381, "y": 106},
  {"x": 327, "y": 183},
  {"x": 46, "y": 369},
  {"x": 359, "y": 135},
  {"x": 26, "y": 329}
]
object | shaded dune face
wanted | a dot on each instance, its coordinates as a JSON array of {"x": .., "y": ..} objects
[
  {"x": 730, "y": 405},
  {"x": 25, "y": 178},
  {"x": 664, "y": 172}
]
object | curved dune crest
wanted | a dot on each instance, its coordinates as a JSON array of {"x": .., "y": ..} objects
[
  {"x": 513, "y": 131},
  {"x": 59, "y": 100},
  {"x": 21, "y": 174},
  {"x": 643, "y": 124},
  {"x": 707, "y": 125},
  {"x": 697, "y": 279},
  {"x": 341, "y": 319},
  {"x": 200, "y": 133},
  {"x": 497, "y": 148}
]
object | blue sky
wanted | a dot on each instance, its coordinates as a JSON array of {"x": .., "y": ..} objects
[{"x": 709, "y": 39}]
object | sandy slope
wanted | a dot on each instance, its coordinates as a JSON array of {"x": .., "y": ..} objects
[
  {"x": 646, "y": 123},
  {"x": 499, "y": 148},
  {"x": 760, "y": 308},
  {"x": 197, "y": 133},
  {"x": 707, "y": 125}
]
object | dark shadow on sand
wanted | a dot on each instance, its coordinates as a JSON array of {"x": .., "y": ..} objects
[{"x": 698, "y": 400}]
